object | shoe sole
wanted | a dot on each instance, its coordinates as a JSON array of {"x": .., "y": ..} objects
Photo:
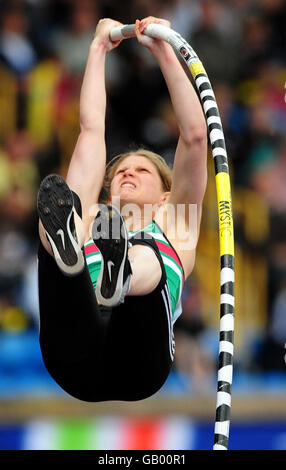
[
  {"x": 55, "y": 209},
  {"x": 110, "y": 254}
]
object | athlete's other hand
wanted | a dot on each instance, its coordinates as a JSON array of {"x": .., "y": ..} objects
[
  {"x": 141, "y": 25},
  {"x": 102, "y": 32}
]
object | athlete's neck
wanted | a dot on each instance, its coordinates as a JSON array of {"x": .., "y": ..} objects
[{"x": 134, "y": 224}]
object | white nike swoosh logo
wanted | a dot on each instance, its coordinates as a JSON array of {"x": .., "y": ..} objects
[
  {"x": 61, "y": 233},
  {"x": 109, "y": 266}
]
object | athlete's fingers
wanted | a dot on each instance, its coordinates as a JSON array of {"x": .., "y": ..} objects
[
  {"x": 137, "y": 30},
  {"x": 152, "y": 19},
  {"x": 144, "y": 40}
]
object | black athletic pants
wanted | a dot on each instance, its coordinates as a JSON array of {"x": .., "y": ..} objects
[{"x": 96, "y": 353}]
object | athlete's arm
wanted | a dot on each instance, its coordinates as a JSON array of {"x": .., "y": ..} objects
[
  {"x": 87, "y": 167},
  {"x": 190, "y": 171}
]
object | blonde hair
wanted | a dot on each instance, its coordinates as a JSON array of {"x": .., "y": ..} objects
[{"x": 163, "y": 169}]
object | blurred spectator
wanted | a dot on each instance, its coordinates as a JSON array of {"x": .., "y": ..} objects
[
  {"x": 185, "y": 16},
  {"x": 193, "y": 358},
  {"x": 18, "y": 188},
  {"x": 142, "y": 8},
  {"x": 16, "y": 49},
  {"x": 274, "y": 14},
  {"x": 215, "y": 48},
  {"x": 278, "y": 321},
  {"x": 273, "y": 351},
  {"x": 269, "y": 179},
  {"x": 255, "y": 45},
  {"x": 9, "y": 103},
  {"x": 72, "y": 43},
  {"x": 262, "y": 98}
]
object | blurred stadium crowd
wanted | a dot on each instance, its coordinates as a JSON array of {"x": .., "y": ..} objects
[{"x": 43, "y": 50}]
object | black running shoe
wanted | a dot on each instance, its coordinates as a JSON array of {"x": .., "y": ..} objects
[
  {"x": 55, "y": 208},
  {"x": 110, "y": 236}
]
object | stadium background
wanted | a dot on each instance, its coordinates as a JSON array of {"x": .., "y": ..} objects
[{"x": 43, "y": 49}]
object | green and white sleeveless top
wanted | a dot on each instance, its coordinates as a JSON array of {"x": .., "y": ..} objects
[{"x": 173, "y": 266}]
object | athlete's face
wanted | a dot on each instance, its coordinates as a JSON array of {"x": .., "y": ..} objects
[{"x": 137, "y": 181}]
